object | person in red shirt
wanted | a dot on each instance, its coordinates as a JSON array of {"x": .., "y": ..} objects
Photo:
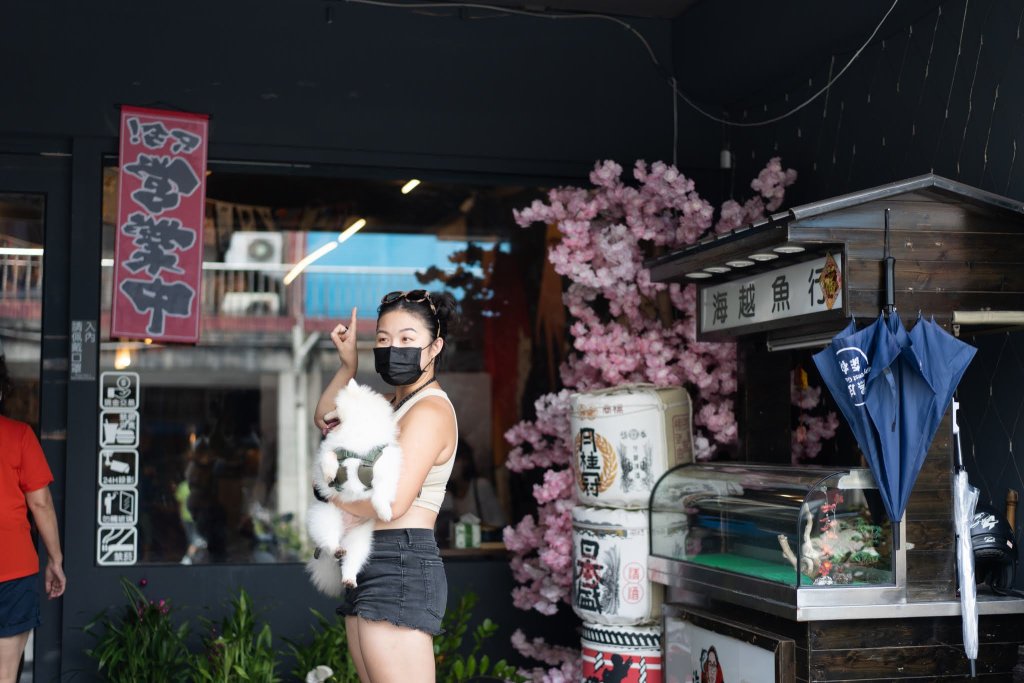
[{"x": 24, "y": 487}]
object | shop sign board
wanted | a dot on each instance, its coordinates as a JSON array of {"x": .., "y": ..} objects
[
  {"x": 773, "y": 298},
  {"x": 158, "y": 250}
]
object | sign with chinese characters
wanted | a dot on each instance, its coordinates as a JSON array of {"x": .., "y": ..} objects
[
  {"x": 117, "y": 545},
  {"x": 117, "y": 500},
  {"x": 624, "y": 439},
  {"x": 814, "y": 286},
  {"x": 119, "y": 428},
  {"x": 84, "y": 349},
  {"x": 119, "y": 468},
  {"x": 610, "y": 584},
  {"x": 119, "y": 390},
  {"x": 118, "y": 507},
  {"x": 158, "y": 254}
]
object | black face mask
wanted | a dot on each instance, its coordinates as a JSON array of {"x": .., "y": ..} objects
[{"x": 398, "y": 365}]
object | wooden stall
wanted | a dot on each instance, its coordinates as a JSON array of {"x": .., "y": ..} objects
[{"x": 959, "y": 257}]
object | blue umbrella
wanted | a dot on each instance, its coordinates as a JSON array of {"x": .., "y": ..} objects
[
  {"x": 924, "y": 377},
  {"x": 896, "y": 406},
  {"x": 849, "y": 366},
  {"x": 905, "y": 395},
  {"x": 944, "y": 359}
]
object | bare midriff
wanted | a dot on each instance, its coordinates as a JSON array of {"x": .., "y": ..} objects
[{"x": 415, "y": 518}]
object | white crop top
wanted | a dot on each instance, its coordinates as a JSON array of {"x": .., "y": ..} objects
[{"x": 432, "y": 494}]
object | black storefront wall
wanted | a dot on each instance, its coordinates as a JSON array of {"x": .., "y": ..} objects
[{"x": 375, "y": 87}]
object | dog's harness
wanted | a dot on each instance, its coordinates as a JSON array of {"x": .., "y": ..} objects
[{"x": 365, "y": 470}]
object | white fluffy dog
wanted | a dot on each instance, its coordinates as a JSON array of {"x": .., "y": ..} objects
[{"x": 362, "y": 453}]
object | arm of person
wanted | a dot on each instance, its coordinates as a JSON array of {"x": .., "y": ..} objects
[
  {"x": 422, "y": 438},
  {"x": 344, "y": 338},
  {"x": 40, "y": 502}
]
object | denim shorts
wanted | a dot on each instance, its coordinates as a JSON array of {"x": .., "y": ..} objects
[
  {"x": 403, "y": 582},
  {"x": 19, "y": 605}
]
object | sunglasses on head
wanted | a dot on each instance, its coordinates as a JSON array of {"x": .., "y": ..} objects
[{"x": 413, "y": 296}]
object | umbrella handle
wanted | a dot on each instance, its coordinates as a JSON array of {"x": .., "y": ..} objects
[
  {"x": 956, "y": 433},
  {"x": 890, "y": 271}
]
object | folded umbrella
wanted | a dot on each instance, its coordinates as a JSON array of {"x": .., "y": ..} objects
[
  {"x": 895, "y": 404},
  {"x": 965, "y": 499},
  {"x": 849, "y": 365}
]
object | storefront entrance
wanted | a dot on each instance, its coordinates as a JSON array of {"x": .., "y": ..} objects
[
  {"x": 33, "y": 262},
  {"x": 198, "y": 488}
]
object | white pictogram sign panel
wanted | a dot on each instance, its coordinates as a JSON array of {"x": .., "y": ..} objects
[
  {"x": 116, "y": 546},
  {"x": 119, "y": 468},
  {"x": 119, "y": 428},
  {"x": 119, "y": 390},
  {"x": 118, "y": 507}
]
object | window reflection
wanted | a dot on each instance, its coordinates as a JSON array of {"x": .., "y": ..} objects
[
  {"x": 21, "y": 299},
  {"x": 225, "y": 435}
]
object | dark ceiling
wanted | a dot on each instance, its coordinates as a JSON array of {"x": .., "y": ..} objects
[
  {"x": 655, "y": 9},
  {"x": 736, "y": 51},
  {"x": 731, "y": 51}
]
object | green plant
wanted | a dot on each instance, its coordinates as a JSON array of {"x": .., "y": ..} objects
[
  {"x": 238, "y": 651},
  {"x": 453, "y": 666},
  {"x": 329, "y": 647},
  {"x": 143, "y": 644}
]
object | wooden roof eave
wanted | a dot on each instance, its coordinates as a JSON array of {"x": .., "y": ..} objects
[{"x": 782, "y": 232}]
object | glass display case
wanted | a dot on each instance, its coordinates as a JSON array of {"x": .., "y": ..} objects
[{"x": 782, "y": 539}]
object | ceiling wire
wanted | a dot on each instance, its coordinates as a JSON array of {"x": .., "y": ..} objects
[{"x": 639, "y": 36}]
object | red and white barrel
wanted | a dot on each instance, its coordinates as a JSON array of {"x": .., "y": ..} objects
[
  {"x": 624, "y": 439},
  {"x": 628, "y": 654},
  {"x": 610, "y": 584}
]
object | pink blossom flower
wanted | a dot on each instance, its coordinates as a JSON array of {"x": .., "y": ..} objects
[
  {"x": 811, "y": 430},
  {"x": 624, "y": 329}
]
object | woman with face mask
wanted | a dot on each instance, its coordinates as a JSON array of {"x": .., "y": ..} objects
[{"x": 396, "y": 609}]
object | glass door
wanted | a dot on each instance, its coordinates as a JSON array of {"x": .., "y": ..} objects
[{"x": 33, "y": 210}]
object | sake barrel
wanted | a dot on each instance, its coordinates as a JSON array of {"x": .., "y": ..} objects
[
  {"x": 625, "y": 438},
  {"x": 630, "y": 654},
  {"x": 610, "y": 584}
]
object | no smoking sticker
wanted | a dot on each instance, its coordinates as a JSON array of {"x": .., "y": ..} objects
[{"x": 117, "y": 546}]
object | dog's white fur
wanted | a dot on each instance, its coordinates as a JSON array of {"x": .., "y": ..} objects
[{"x": 367, "y": 421}]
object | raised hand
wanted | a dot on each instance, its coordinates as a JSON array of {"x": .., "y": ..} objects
[{"x": 344, "y": 338}]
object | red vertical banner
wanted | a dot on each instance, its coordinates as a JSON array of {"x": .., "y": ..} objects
[{"x": 161, "y": 204}]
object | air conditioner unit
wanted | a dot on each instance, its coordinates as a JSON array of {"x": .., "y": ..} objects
[
  {"x": 255, "y": 248},
  {"x": 250, "y": 304}
]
